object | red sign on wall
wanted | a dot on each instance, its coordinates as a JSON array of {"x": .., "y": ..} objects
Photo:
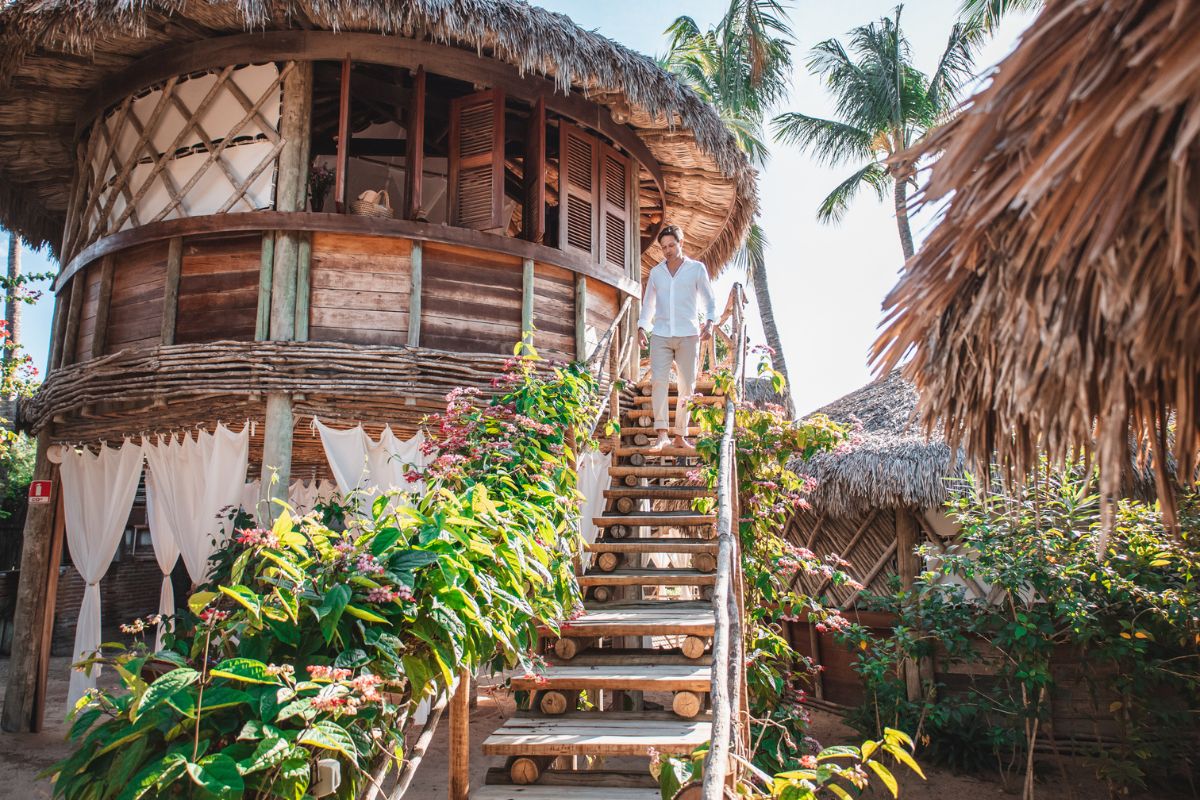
[{"x": 39, "y": 493}]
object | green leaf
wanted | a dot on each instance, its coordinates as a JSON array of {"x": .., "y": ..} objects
[
  {"x": 156, "y": 776},
  {"x": 268, "y": 753},
  {"x": 217, "y": 774},
  {"x": 246, "y": 670},
  {"x": 163, "y": 688},
  {"x": 200, "y": 600},
  {"x": 328, "y": 735},
  {"x": 902, "y": 755},
  {"x": 331, "y": 609},
  {"x": 291, "y": 782},
  {"x": 368, "y": 616},
  {"x": 247, "y": 599},
  {"x": 384, "y": 540},
  {"x": 885, "y": 775}
]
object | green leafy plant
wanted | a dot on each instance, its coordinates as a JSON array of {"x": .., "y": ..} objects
[{"x": 318, "y": 641}]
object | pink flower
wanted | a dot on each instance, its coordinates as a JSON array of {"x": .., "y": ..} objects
[
  {"x": 808, "y": 762},
  {"x": 323, "y": 673}
]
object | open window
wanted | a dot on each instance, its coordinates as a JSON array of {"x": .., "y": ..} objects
[{"x": 477, "y": 198}]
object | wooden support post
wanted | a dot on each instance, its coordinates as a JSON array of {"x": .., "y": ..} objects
[
  {"x": 814, "y": 645},
  {"x": 290, "y": 191},
  {"x": 460, "y": 738},
  {"x": 581, "y": 303},
  {"x": 100, "y": 335},
  {"x": 262, "y": 325},
  {"x": 414, "y": 297},
  {"x": 533, "y": 214},
  {"x": 303, "y": 286},
  {"x": 74, "y": 312},
  {"x": 343, "y": 144},
  {"x": 906, "y": 566},
  {"x": 415, "y": 152},
  {"x": 526, "y": 297},
  {"x": 51, "y": 604},
  {"x": 58, "y": 324},
  {"x": 29, "y": 613},
  {"x": 171, "y": 292}
]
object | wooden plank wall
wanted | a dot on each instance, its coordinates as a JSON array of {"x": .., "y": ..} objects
[
  {"x": 135, "y": 312},
  {"x": 360, "y": 288},
  {"x": 471, "y": 300},
  {"x": 87, "y": 312},
  {"x": 218, "y": 289},
  {"x": 602, "y": 307},
  {"x": 554, "y": 312}
]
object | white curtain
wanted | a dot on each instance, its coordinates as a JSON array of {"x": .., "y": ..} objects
[
  {"x": 98, "y": 494},
  {"x": 372, "y": 468},
  {"x": 196, "y": 481},
  {"x": 166, "y": 551},
  {"x": 592, "y": 468},
  {"x": 303, "y": 496}
]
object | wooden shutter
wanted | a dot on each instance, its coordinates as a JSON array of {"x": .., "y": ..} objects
[
  {"x": 477, "y": 160},
  {"x": 578, "y": 192},
  {"x": 614, "y": 208}
]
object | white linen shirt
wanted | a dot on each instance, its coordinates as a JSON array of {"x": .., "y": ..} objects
[{"x": 671, "y": 301}]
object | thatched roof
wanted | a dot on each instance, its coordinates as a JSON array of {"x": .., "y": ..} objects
[
  {"x": 1061, "y": 289},
  {"x": 891, "y": 464},
  {"x": 55, "y": 53}
]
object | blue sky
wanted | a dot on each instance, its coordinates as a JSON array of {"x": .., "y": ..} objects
[{"x": 827, "y": 282}]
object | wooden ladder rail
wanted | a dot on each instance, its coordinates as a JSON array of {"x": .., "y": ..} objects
[{"x": 730, "y": 712}]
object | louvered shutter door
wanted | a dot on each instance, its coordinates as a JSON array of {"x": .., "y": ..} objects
[
  {"x": 477, "y": 160},
  {"x": 614, "y": 208},
  {"x": 578, "y": 190}
]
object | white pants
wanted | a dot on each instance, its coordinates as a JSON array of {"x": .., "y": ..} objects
[{"x": 683, "y": 351}]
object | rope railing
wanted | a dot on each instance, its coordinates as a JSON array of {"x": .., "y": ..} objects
[{"x": 730, "y": 715}]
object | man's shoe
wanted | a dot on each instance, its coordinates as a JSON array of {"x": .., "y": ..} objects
[{"x": 659, "y": 444}]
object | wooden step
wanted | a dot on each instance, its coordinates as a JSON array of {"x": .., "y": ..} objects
[
  {"x": 653, "y": 471},
  {"x": 703, "y": 399},
  {"x": 609, "y": 734},
  {"x": 673, "y": 519},
  {"x": 540, "y": 792},
  {"x": 648, "y": 577},
  {"x": 642, "y": 618},
  {"x": 654, "y": 544},
  {"x": 633, "y": 430},
  {"x": 659, "y": 492},
  {"x": 648, "y": 452},
  {"x": 588, "y": 778},
  {"x": 647, "y": 677},
  {"x": 704, "y": 385}
]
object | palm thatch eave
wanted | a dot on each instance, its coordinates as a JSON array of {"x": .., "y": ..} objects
[{"x": 54, "y": 53}]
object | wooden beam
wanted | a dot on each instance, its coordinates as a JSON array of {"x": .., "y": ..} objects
[
  {"x": 415, "y": 160},
  {"x": 51, "y": 594},
  {"x": 29, "y": 613},
  {"x": 414, "y": 297},
  {"x": 343, "y": 141},
  {"x": 460, "y": 739},
  {"x": 171, "y": 292},
  {"x": 100, "y": 334},
  {"x": 346, "y": 223},
  {"x": 74, "y": 311},
  {"x": 277, "y": 452},
  {"x": 875, "y": 570},
  {"x": 58, "y": 324},
  {"x": 848, "y": 550},
  {"x": 303, "y": 286},
  {"x": 526, "y": 297},
  {"x": 906, "y": 567},
  {"x": 581, "y": 304},
  {"x": 262, "y": 325},
  {"x": 533, "y": 215}
]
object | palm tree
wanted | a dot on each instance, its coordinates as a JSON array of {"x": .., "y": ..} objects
[
  {"x": 989, "y": 12},
  {"x": 884, "y": 104},
  {"x": 742, "y": 67}
]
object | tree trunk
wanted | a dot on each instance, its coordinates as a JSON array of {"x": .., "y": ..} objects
[
  {"x": 906, "y": 241},
  {"x": 12, "y": 306},
  {"x": 762, "y": 293}
]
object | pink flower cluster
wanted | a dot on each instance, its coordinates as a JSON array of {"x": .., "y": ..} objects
[
  {"x": 320, "y": 672},
  {"x": 257, "y": 537},
  {"x": 212, "y": 616},
  {"x": 368, "y": 564},
  {"x": 386, "y": 594}
]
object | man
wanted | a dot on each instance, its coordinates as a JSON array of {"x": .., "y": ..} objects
[{"x": 675, "y": 285}]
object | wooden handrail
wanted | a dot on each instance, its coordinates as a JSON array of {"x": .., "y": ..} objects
[
  {"x": 610, "y": 345},
  {"x": 728, "y": 652}
]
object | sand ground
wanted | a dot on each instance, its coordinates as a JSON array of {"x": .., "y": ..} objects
[{"x": 23, "y": 756}]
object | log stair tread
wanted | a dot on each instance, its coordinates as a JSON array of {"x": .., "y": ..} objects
[
  {"x": 663, "y": 544},
  {"x": 653, "y": 471},
  {"x": 655, "y": 518},
  {"x": 648, "y": 577},
  {"x": 535, "y": 792},
  {"x": 645, "y": 450},
  {"x": 693, "y": 618},
  {"x": 702, "y": 385},
  {"x": 596, "y": 734},
  {"x": 646, "y": 677},
  {"x": 704, "y": 399},
  {"x": 658, "y": 492},
  {"x": 693, "y": 430}
]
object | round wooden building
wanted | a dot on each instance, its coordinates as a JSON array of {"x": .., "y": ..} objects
[{"x": 281, "y": 211}]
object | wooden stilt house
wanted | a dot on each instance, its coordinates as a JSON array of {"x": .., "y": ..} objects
[{"x": 277, "y": 211}]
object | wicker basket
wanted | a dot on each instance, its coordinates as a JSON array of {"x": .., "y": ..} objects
[{"x": 373, "y": 204}]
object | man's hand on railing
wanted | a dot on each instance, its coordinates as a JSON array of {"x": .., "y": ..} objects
[
  {"x": 643, "y": 341},
  {"x": 706, "y": 331}
]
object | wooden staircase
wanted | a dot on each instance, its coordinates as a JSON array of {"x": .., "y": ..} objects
[{"x": 587, "y": 728}]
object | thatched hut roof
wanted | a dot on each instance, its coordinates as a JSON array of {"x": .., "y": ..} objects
[
  {"x": 1061, "y": 289},
  {"x": 54, "y": 54},
  {"x": 891, "y": 464}
]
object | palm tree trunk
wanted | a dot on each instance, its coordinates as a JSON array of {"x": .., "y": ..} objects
[
  {"x": 906, "y": 242},
  {"x": 762, "y": 294}
]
